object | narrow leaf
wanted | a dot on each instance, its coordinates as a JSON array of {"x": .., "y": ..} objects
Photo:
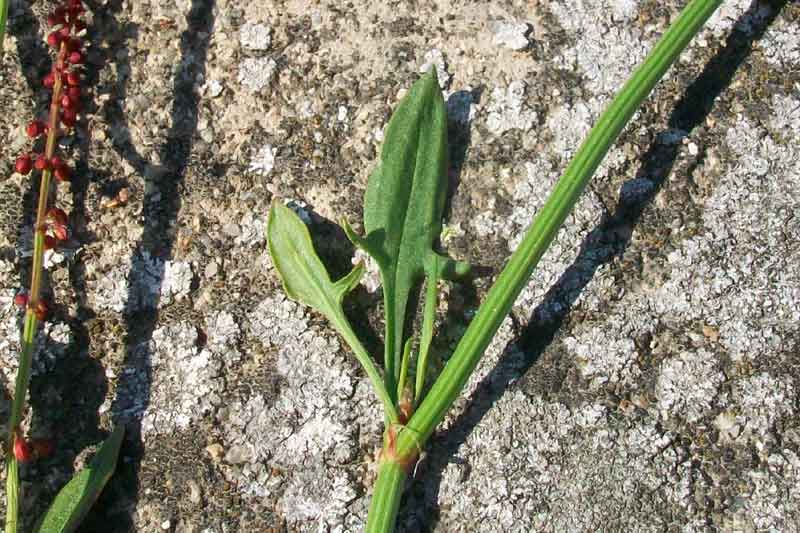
[
  {"x": 404, "y": 202},
  {"x": 77, "y": 497}
]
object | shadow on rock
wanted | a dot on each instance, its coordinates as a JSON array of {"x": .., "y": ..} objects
[{"x": 161, "y": 205}]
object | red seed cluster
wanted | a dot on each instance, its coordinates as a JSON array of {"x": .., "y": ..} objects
[
  {"x": 64, "y": 79},
  {"x": 24, "y": 164}
]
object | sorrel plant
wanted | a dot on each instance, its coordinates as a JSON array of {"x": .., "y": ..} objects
[
  {"x": 50, "y": 229},
  {"x": 402, "y": 220}
]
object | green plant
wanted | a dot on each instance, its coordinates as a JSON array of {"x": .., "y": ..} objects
[
  {"x": 3, "y": 20},
  {"x": 50, "y": 228},
  {"x": 402, "y": 218}
]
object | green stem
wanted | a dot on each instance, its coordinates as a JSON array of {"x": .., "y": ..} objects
[
  {"x": 3, "y": 20},
  {"x": 342, "y": 325},
  {"x": 391, "y": 341},
  {"x": 386, "y": 497},
  {"x": 428, "y": 317},
  {"x": 401, "y": 383},
  {"x": 12, "y": 493}
]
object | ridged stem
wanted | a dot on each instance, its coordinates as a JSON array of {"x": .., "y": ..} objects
[{"x": 386, "y": 497}]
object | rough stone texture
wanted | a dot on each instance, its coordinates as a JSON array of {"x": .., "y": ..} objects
[{"x": 647, "y": 380}]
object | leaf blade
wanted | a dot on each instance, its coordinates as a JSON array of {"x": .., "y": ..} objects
[
  {"x": 404, "y": 202},
  {"x": 305, "y": 279},
  {"x": 76, "y": 497},
  {"x": 303, "y": 275}
]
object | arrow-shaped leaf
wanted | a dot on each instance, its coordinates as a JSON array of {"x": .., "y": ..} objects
[
  {"x": 403, "y": 207},
  {"x": 306, "y": 280},
  {"x": 77, "y": 497}
]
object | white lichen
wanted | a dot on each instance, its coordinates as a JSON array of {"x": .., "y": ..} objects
[
  {"x": 252, "y": 230},
  {"x": 511, "y": 35},
  {"x": 507, "y": 109},
  {"x": 608, "y": 45},
  {"x": 688, "y": 385},
  {"x": 256, "y": 37},
  {"x": 312, "y": 418},
  {"x": 184, "y": 382},
  {"x": 264, "y": 160},
  {"x": 602, "y": 359},
  {"x": 255, "y": 73},
  {"x": 762, "y": 399}
]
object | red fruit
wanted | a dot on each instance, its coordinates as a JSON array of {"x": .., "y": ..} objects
[
  {"x": 56, "y": 18},
  {"x": 57, "y": 215},
  {"x": 22, "y": 450},
  {"x": 24, "y": 164},
  {"x": 41, "y": 310},
  {"x": 54, "y": 39},
  {"x": 69, "y": 117},
  {"x": 67, "y": 103},
  {"x": 64, "y": 33},
  {"x": 76, "y": 58},
  {"x": 42, "y": 163},
  {"x": 74, "y": 93},
  {"x": 35, "y": 129},
  {"x": 62, "y": 173},
  {"x": 61, "y": 232},
  {"x": 50, "y": 242},
  {"x": 73, "y": 79},
  {"x": 74, "y": 44},
  {"x": 49, "y": 80},
  {"x": 21, "y": 300}
]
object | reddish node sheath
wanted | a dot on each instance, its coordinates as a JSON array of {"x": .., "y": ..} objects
[{"x": 41, "y": 310}]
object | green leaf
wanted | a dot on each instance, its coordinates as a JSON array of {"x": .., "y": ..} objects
[
  {"x": 304, "y": 277},
  {"x": 306, "y": 280},
  {"x": 403, "y": 206},
  {"x": 77, "y": 497}
]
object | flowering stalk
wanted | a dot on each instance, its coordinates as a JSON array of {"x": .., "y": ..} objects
[{"x": 50, "y": 226}]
